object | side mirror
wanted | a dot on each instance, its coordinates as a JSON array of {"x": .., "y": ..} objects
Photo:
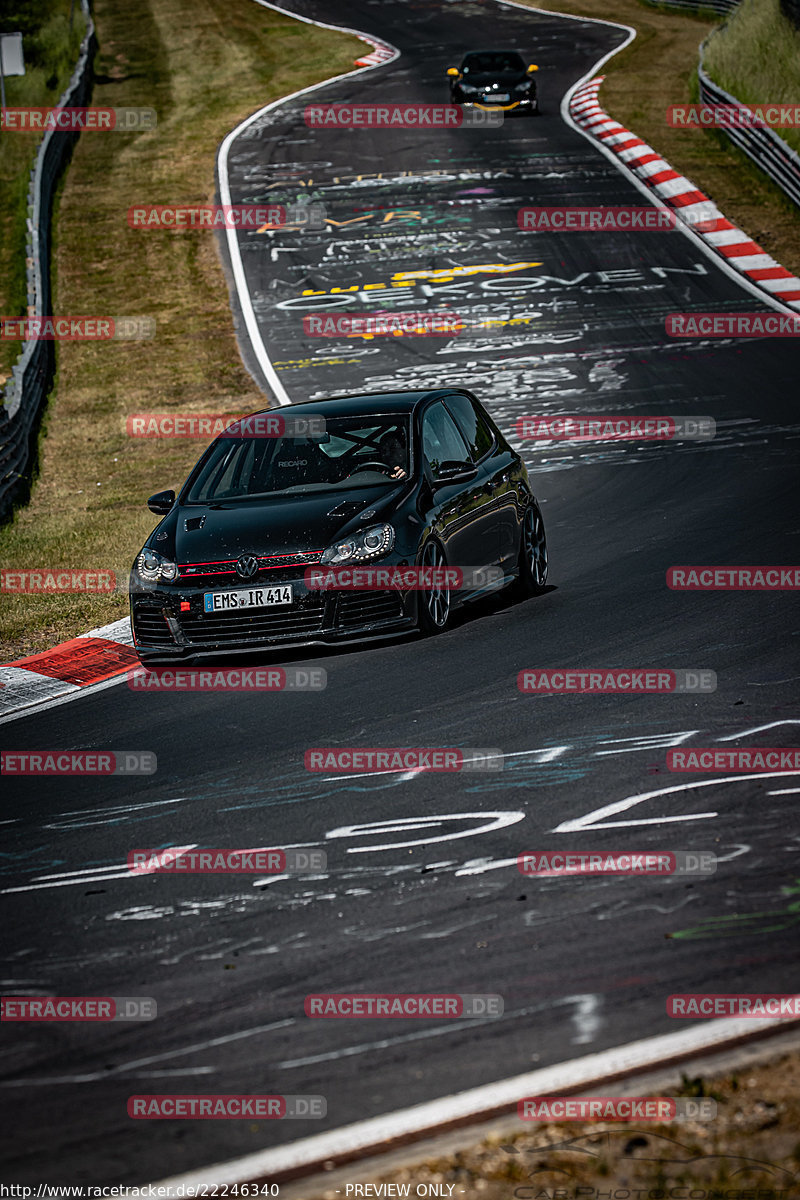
[
  {"x": 532, "y": 68},
  {"x": 161, "y": 502},
  {"x": 454, "y": 472},
  {"x": 453, "y": 72}
]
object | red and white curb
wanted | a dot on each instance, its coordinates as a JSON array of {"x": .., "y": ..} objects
[
  {"x": 381, "y": 53},
  {"x": 94, "y": 657},
  {"x": 691, "y": 205},
  {"x": 378, "y": 1135}
]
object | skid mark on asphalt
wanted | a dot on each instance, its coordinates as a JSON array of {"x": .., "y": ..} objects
[
  {"x": 738, "y": 923},
  {"x": 370, "y": 934},
  {"x": 84, "y": 818},
  {"x": 600, "y": 910},
  {"x": 127, "y": 1068},
  {"x": 585, "y": 1016}
]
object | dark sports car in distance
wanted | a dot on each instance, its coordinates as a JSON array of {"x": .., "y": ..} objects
[
  {"x": 494, "y": 79},
  {"x": 421, "y": 479}
]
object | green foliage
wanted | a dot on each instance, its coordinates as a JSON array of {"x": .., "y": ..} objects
[{"x": 756, "y": 57}]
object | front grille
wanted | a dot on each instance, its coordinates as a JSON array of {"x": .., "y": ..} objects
[
  {"x": 368, "y": 608},
  {"x": 292, "y": 565},
  {"x": 204, "y": 628},
  {"x": 150, "y": 627}
]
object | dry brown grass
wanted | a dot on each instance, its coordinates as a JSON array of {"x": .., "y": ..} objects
[{"x": 749, "y": 1152}]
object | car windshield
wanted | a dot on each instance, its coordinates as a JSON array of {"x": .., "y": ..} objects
[
  {"x": 355, "y": 452},
  {"x": 492, "y": 63}
]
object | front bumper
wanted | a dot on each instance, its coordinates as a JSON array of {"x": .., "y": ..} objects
[
  {"x": 163, "y": 632},
  {"x": 528, "y": 105}
]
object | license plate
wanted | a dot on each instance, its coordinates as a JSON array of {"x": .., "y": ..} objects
[
  {"x": 259, "y": 597},
  {"x": 499, "y": 96}
]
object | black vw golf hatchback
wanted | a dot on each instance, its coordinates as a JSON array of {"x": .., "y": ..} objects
[{"x": 363, "y": 516}]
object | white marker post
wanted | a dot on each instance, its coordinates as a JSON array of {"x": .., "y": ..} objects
[{"x": 11, "y": 60}]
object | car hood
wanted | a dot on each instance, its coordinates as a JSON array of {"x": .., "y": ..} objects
[
  {"x": 504, "y": 81},
  {"x": 203, "y": 533}
]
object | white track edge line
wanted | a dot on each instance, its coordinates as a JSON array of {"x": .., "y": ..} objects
[
  {"x": 478, "y": 1104},
  {"x": 243, "y": 293}
]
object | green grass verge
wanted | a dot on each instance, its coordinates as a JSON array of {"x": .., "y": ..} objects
[
  {"x": 203, "y": 65},
  {"x": 756, "y": 57},
  {"x": 50, "y": 51}
]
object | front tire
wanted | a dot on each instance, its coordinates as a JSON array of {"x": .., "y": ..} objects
[
  {"x": 433, "y": 603},
  {"x": 532, "y": 568}
]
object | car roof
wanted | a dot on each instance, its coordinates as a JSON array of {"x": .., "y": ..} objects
[
  {"x": 367, "y": 402},
  {"x": 508, "y": 50}
]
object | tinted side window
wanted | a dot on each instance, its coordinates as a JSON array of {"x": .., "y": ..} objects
[
  {"x": 441, "y": 441},
  {"x": 477, "y": 433}
]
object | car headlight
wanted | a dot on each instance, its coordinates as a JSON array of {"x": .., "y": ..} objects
[
  {"x": 468, "y": 89},
  {"x": 525, "y": 86},
  {"x": 360, "y": 547},
  {"x": 154, "y": 568}
]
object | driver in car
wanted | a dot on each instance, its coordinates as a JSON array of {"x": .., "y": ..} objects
[{"x": 393, "y": 453}]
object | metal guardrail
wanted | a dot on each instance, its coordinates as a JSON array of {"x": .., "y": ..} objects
[
  {"x": 765, "y": 147},
  {"x": 25, "y": 390}
]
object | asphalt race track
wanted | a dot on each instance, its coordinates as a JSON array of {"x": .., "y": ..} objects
[{"x": 421, "y": 891}]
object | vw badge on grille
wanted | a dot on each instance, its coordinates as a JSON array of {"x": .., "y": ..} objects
[{"x": 246, "y": 566}]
